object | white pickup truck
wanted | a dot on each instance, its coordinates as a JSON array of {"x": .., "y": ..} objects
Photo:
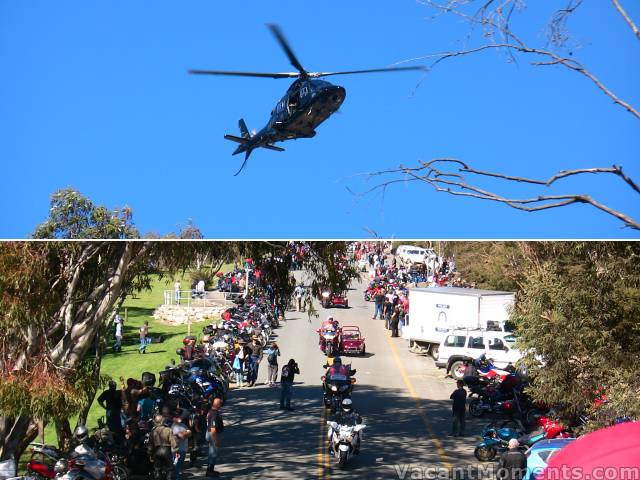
[{"x": 461, "y": 345}]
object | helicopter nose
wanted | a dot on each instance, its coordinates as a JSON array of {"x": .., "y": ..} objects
[{"x": 336, "y": 94}]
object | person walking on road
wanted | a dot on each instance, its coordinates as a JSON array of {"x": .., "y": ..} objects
[
  {"x": 182, "y": 434},
  {"x": 286, "y": 383},
  {"x": 273, "y": 352},
  {"x": 513, "y": 463},
  {"x": 395, "y": 320},
  {"x": 161, "y": 443},
  {"x": 254, "y": 361},
  {"x": 299, "y": 294},
  {"x": 215, "y": 426},
  {"x": 144, "y": 333},
  {"x": 459, "y": 397},
  {"x": 237, "y": 367},
  {"x": 378, "y": 300}
]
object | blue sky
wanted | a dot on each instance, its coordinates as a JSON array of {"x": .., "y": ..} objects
[{"x": 95, "y": 95}]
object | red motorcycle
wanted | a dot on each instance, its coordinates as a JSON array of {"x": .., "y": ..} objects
[{"x": 329, "y": 340}]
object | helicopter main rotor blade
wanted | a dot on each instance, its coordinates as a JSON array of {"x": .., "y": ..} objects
[
  {"x": 246, "y": 74},
  {"x": 275, "y": 29},
  {"x": 373, "y": 70}
]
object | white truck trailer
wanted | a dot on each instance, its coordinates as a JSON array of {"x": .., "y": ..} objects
[{"x": 435, "y": 311}]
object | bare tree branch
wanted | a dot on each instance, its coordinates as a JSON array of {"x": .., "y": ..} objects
[
  {"x": 454, "y": 183},
  {"x": 627, "y": 19},
  {"x": 494, "y": 22}
]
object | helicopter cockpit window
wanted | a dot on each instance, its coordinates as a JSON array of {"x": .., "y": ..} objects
[{"x": 294, "y": 100}]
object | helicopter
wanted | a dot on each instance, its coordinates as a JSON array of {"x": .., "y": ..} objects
[{"x": 307, "y": 103}]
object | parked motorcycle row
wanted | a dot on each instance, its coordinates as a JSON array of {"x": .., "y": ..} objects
[
  {"x": 202, "y": 374},
  {"x": 501, "y": 395}
]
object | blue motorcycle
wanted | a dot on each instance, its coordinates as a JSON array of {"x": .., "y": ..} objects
[{"x": 496, "y": 440}]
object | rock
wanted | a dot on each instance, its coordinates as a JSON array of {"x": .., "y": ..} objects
[{"x": 181, "y": 314}]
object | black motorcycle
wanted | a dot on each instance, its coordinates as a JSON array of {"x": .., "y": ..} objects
[{"x": 336, "y": 388}]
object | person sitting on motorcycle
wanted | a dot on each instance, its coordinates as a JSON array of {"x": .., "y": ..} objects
[
  {"x": 339, "y": 369},
  {"x": 81, "y": 443},
  {"x": 349, "y": 417},
  {"x": 161, "y": 443},
  {"x": 329, "y": 324}
]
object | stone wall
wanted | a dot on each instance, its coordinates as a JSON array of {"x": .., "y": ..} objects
[{"x": 179, "y": 314}]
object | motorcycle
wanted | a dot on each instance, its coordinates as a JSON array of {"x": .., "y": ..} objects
[
  {"x": 329, "y": 341},
  {"x": 336, "y": 388},
  {"x": 94, "y": 464},
  {"x": 344, "y": 441},
  {"x": 496, "y": 440}
]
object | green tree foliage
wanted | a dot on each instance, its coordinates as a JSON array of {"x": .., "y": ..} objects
[
  {"x": 72, "y": 215},
  {"x": 57, "y": 299},
  {"x": 577, "y": 319},
  {"x": 485, "y": 264}
]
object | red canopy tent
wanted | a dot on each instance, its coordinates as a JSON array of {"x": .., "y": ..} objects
[{"x": 610, "y": 453}]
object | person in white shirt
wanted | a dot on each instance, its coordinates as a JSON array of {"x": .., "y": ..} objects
[
  {"x": 118, "y": 345},
  {"x": 299, "y": 293},
  {"x": 176, "y": 288},
  {"x": 200, "y": 286}
]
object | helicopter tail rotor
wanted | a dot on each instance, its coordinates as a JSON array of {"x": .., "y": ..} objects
[{"x": 243, "y": 129}]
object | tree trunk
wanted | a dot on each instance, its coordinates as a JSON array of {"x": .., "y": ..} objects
[
  {"x": 13, "y": 433},
  {"x": 100, "y": 349},
  {"x": 63, "y": 432}
]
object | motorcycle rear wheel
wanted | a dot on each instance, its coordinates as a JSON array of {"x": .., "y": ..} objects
[
  {"x": 485, "y": 454},
  {"x": 119, "y": 473},
  {"x": 475, "y": 409}
]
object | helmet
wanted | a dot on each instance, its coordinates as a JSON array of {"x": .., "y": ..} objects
[
  {"x": 81, "y": 433},
  {"x": 337, "y": 361},
  {"x": 347, "y": 405}
]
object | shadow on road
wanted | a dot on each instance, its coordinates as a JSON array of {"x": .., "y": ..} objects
[{"x": 262, "y": 441}]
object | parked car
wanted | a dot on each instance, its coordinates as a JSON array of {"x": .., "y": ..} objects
[
  {"x": 540, "y": 453},
  {"x": 461, "y": 345},
  {"x": 411, "y": 255}
]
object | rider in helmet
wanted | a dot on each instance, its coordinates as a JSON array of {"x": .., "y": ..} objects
[
  {"x": 346, "y": 415},
  {"x": 337, "y": 368},
  {"x": 81, "y": 442},
  {"x": 330, "y": 324}
]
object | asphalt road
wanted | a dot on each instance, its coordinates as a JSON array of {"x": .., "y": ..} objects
[{"x": 402, "y": 397}]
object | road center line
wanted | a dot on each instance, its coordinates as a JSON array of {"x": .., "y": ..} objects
[
  {"x": 322, "y": 471},
  {"x": 416, "y": 398}
]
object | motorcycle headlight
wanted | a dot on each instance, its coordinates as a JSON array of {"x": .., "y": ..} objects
[
  {"x": 61, "y": 466},
  {"x": 325, "y": 294},
  {"x": 334, "y": 388}
]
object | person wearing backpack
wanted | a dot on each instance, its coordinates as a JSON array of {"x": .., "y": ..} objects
[
  {"x": 286, "y": 383},
  {"x": 273, "y": 352},
  {"x": 215, "y": 427}
]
